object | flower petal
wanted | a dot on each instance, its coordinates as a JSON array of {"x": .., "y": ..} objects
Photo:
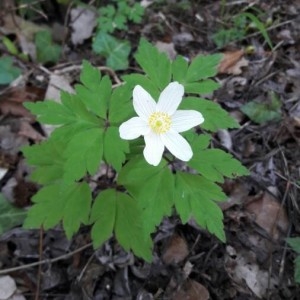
[
  {"x": 183, "y": 120},
  {"x": 177, "y": 145},
  {"x": 154, "y": 148},
  {"x": 170, "y": 98},
  {"x": 143, "y": 103},
  {"x": 133, "y": 128}
]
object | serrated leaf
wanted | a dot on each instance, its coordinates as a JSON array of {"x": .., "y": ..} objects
[
  {"x": 202, "y": 67},
  {"x": 83, "y": 154},
  {"x": 46, "y": 50},
  {"x": 95, "y": 91},
  {"x": 136, "y": 12},
  {"x": 10, "y": 215},
  {"x": 263, "y": 112},
  {"x": 216, "y": 164},
  {"x": 48, "y": 159},
  {"x": 155, "y": 64},
  {"x": 203, "y": 87},
  {"x": 70, "y": 110},
  {"x": 294, "y": 243},
  {"x": 179, "y": 68},
  {"x": 143, "y": 81},
  {"x": 115, "y": 148},
  {"x": 152, "y": 187},
  {"x": 115, "y": 51},
  {"x": 118, "y": 212},
  {"x": 120, "y": 105},
  {"x": 58, "y": 202},
  {"x": 215, "y": 117},
  {"x": 8, "y": 72},
  {"x": 194, "y": 197}
]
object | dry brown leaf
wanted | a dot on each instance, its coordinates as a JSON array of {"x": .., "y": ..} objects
[
  {"x": 11, "y": 103},
  {"x": 176, "y": 250},
  {"x": 269, "y": 214},
  {"x": 191, "y": 290},
  {"x": 167, "y": 48},
  {"x": 28, "y": 131},
  {"x": 244, "y": 271},
  {"x": 232, "y": 62}
]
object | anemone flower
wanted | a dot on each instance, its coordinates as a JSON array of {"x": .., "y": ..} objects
[{"x": 160, "y": 123}]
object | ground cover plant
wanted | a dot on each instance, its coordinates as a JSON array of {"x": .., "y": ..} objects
[{"x": 149, "y": 150}]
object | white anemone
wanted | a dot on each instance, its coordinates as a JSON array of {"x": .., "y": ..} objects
[{"x": 160, "y": 123}]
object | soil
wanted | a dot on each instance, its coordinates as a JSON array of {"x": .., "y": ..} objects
[{"x": 262, "y": 209}]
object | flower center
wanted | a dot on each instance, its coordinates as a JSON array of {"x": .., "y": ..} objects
[{"x": 159, "y": 122}]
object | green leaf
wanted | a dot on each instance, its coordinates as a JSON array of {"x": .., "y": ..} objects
[
  {"x": 152, "y": 187},
  {"x": 216, "y": 164},
  {"x": 83, "y": 154},
  {"x": 120, "y": 105},
  {"x": 8, "y": 72},
  {"x": 263, "y": 112},
  {"x": 95, "y": 91},
  {"x": 115, "y": 148},
  {"x": 260, "y": 26},
  {"x": 10, "y": 216},
  {"x": 46, "y": 50},
  {"x": 119, "y": 212},
  {"x": 53, "y": 203},
  {"x": 138, "y": 79},
  {"x": 120, "y": 22},
  {"x": 155, "y": 64},
  {"x": 71, "y": 110},
  {"x": 294, "y": 243},
  {"x": 10, "y": 46},
  {"x": 48, "y": 159},
  {"x": 194, "y": 197},
  {"x": 136, "y": 13},
  {"x": 215, "y": 117},
  {"x": 297, "y": 269},
  {"x": 179, "y": 68},
  {"x": 204, "y": 87},
  {"x": 115, "y": 51},
  {"x": 202, "y": 67}
]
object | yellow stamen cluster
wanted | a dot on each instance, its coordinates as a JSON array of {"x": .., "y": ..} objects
[{"x": 159, "y": 122}]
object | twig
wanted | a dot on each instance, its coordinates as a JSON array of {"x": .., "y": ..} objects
[
  {"x": 38, "y": 284},
  {"x": 45, "y": 261}
]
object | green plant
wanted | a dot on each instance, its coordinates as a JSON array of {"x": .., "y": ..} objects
[
  {"x": 46, "y": 49},
  {"x": 115, "y": 51},
  {"x": 240, "y": 28},
  {"x": 117, "y": 15},
  {"x": 295, "y": 244},
  {"x": 112, "y": 17},
  {"x": 93, "y": 130},
  {"x": 263, "y": 112},
  {"x": 8, "y": 72},
  {"x": 10, "y": 215}
]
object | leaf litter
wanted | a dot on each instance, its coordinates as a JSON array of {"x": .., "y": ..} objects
[{"x": 261, "y": 210}]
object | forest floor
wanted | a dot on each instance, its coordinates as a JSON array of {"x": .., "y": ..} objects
[{"x": 260, "y": 67}]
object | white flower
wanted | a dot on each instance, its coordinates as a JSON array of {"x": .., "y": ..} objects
[{"x": 160, "y": 123}]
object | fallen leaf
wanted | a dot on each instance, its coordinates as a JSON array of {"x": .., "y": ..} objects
[
  {"x": 191, "y": 290},
  {"x": 28, "y": 131},
  {"x": 232, "y": 62},
  {"x": 7, "y": 287},
  {"x": 269, "y": 214},
  {"x": 83, "y": 22},
  {"x": 176, "y": 250},
  {"x": 246, "y": 274},
  {"x": 167, "y": 48},
  {"x": 11, "y": 102}
]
